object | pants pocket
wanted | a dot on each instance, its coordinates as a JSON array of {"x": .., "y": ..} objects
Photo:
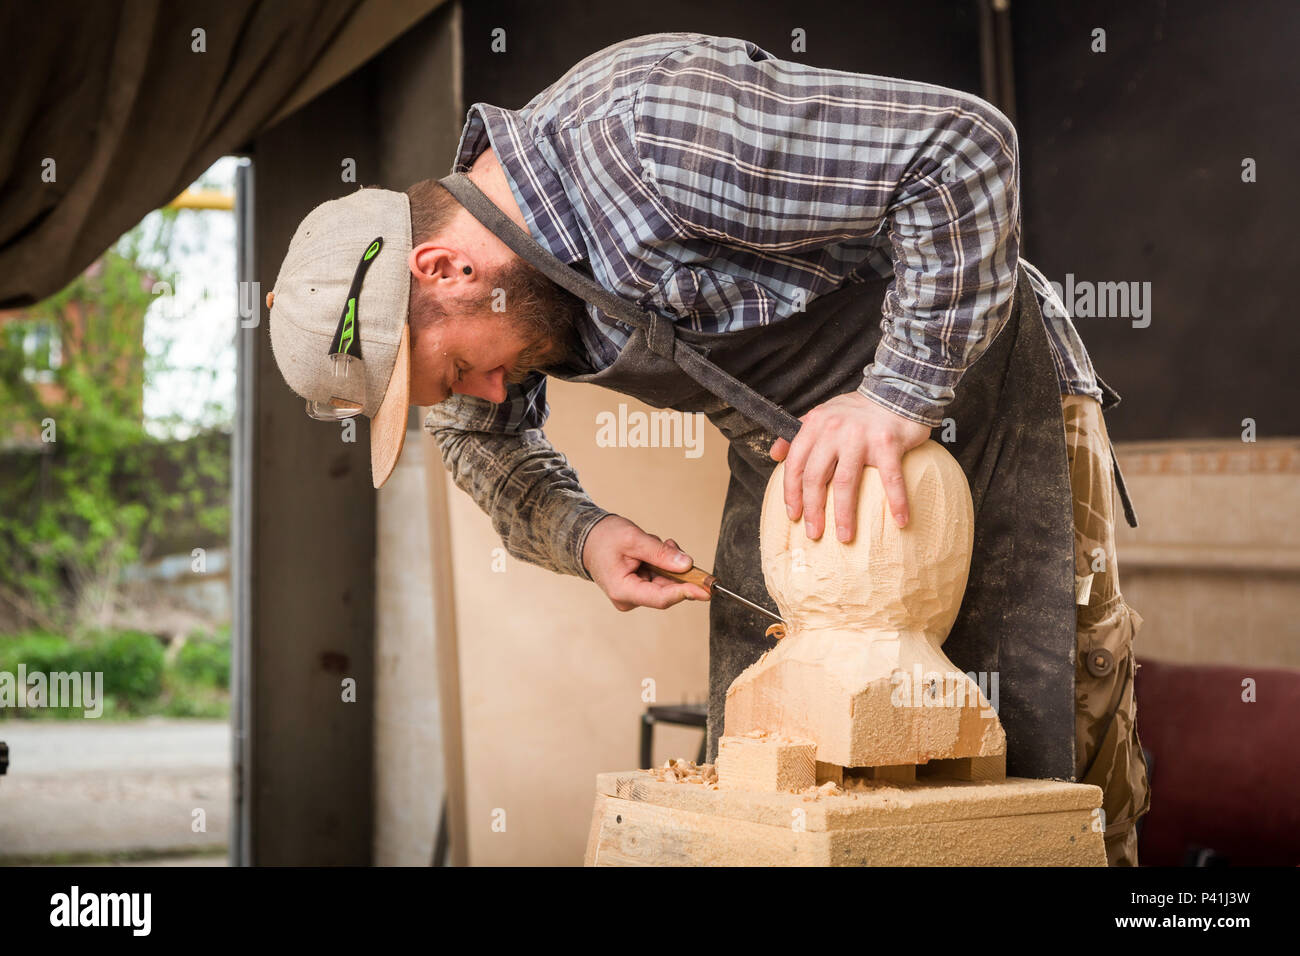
[{"x": 1108, "y": 750}]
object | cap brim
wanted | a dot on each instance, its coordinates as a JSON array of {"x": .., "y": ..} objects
[{"x": 388, "y": 426}]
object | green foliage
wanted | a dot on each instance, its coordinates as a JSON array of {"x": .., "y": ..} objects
[
  {"x": 41, "y": 652},
  {"x": 76, "y": 510},
  {"x": 132, "y": 665},
  {"x": 205, "y": 661},
  {"x": 131, "y": 662},
  {"x": 137, "y": 680}
]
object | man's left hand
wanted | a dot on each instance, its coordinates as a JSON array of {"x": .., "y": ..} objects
[{"x": 837, "y": 441}]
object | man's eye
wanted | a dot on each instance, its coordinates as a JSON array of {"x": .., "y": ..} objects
[{"x": 460, "y": 374}]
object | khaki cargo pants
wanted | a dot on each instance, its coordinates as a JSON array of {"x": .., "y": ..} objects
[{"x": 1108, "y": 753}]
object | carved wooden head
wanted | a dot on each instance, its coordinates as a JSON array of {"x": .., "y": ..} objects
[{"x": 887, "y": 578}]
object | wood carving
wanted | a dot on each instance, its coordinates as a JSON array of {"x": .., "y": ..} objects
[{"x": 860, "y": 670}]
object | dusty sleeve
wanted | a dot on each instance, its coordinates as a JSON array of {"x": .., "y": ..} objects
[{"x": 516, "y": 476}]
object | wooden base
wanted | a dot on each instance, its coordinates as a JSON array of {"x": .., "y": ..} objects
[{"x": 639, "y": 821}]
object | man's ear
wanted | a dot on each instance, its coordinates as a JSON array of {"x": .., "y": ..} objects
[{"x": 430, "y": 262}]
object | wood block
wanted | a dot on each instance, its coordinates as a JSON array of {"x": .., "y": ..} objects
[
  {"x": 830, "y": 773},
  {"x": 639, "y": 821},
  {"x": 993, "y": 767},
  {"x": 765, "y": 762},
  {"x": 900, "y": 773}
]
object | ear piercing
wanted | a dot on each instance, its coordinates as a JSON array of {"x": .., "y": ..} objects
[{"x": 467, "y": 270}]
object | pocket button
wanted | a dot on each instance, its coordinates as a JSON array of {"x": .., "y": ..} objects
[{"x": 1099, "y": 662}]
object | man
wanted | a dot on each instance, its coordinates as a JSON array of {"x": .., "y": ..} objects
[{"x": 757, "y": 204}]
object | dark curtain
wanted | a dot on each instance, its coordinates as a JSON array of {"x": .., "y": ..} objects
[{"x": 117, "y": 96}]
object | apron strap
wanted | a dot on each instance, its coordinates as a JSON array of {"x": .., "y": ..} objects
[
  {"x": 1129, "y": 514},
  {"x": 1109, "y": 399},
  {"x": 660, "y": 333}
]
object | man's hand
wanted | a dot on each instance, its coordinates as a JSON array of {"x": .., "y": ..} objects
[
  {"x": 839, "y": 439},
  {"x": 612, "y": 555}
]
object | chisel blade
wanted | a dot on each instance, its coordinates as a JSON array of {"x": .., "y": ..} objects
[
  {"x": 702, "y": 578},
  {"x": 736, "y": 597}
]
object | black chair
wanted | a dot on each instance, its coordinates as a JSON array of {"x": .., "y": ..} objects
[{"x": 683, "y": 715}]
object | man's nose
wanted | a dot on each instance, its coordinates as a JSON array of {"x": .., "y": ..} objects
[{"x": 489, "y": 385}]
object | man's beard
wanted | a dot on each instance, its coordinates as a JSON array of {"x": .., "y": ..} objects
[{"x": 545, "y": 316}]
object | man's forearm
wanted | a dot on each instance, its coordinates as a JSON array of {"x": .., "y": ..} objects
[{"x": 526, "y": 487}]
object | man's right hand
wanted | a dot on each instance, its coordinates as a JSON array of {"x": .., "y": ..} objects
[{"x": 613, "y": 556}]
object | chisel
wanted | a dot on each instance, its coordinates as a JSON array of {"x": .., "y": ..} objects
[{"x": 707, "y": 581}]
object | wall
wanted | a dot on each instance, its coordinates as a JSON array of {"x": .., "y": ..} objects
[
  {"x": 1132, "y": 171},
  {"x": 551, "y": 674},
  {"x": 1214, "y": 567}
]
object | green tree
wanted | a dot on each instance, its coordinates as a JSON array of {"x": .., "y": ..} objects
[{"x": 77, "y": 509}]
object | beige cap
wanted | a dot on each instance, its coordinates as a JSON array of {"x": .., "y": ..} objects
[{"x": 310, "y": 296}]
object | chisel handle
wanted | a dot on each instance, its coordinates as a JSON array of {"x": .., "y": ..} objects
[{"x": 694, "y": 576}]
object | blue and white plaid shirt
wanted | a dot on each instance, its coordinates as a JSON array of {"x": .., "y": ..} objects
[{"x": 725, "y": 188}]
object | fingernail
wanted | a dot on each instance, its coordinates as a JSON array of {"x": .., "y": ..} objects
[
  {"x": 789, "y": 509},
  {"x": 844, "y": 534}
]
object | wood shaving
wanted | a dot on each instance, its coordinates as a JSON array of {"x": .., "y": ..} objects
[
  {"x": 828, "y": 789},
  {"x": 687, "y": 771}
]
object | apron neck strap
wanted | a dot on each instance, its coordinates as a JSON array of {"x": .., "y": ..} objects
[{"x": 531, "y": 251}]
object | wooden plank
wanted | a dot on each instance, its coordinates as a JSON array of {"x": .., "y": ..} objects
[
  {"x": 927, "y": 801},
  {"x": 628, "y": 833},
  {"x": 1062, "y": 838},
  {"x": 631, "y": 833},
  {"x": 447, "y": 651},
  {"x": 593, "y": 837}
]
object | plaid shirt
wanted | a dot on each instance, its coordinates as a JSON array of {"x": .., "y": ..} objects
[{"x": 725, "y": 188}]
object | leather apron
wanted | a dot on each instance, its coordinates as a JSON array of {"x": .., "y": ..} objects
[{"x": 1017, "y": 621}]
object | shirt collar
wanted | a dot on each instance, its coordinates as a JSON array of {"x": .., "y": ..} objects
[{"x": 536, "y": 188}]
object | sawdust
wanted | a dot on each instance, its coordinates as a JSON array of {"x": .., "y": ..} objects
[
  {"x": 687, "y": 771},
  {"x": 761, "y": 443},
  {"x": 828, "y": 789},
  {"x": 852, "y": 787},
  {"x": 853, "y": 782}
]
